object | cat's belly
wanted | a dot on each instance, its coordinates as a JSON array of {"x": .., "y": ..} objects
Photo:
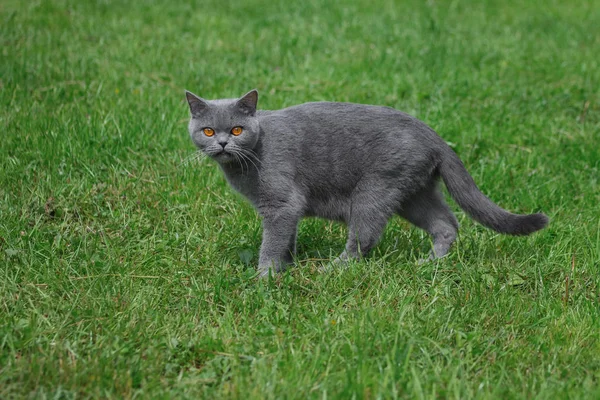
[{"x": 334, "y": 209}]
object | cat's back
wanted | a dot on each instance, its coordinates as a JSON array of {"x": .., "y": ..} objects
[
  {"x": 335, "y": 111},
  {"x": 344, "y": 118},
  {"x": 346, "y": 124}
]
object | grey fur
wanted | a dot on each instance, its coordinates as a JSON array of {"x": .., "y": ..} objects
[{"x": 360, "y": 164}]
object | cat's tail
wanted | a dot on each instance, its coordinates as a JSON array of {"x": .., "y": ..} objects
[{"x": 465, "y": 192}]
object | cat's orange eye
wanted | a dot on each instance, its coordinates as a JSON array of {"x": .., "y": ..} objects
[
  {"x": 208, "y": 132},
  {"x": 236, "y": 131}
]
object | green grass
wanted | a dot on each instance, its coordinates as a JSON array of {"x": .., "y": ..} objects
[{"x": 127, "y": 271}]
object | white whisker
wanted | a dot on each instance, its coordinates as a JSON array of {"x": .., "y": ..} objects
[
  {"x": 192, "y": 157},
  {"x": 247, "y": 157},
  {"x": 241, "y": 153},
  {"x": 237, "y": 157}
]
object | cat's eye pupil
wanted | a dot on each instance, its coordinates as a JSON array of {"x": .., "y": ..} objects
[
  {"x": 208, "y": 131},
  {"x": 237, "y": 130}
]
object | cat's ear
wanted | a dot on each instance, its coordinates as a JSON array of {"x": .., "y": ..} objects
[
  {"x": 197, "y": 105},
  {"x": 247, "y": 104}
]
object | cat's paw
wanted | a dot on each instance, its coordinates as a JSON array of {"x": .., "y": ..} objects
[
  {"x": 273, "y": 269},
  {"x": 432, "y": 258},
  {"x": 337, "y": 263},
  {"x": 325, "y": 268},
  {"x": 263, "y": 273},
  {"x": 422, "y": 261}
]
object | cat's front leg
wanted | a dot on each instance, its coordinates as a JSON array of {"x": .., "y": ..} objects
[{"x": 278, "y": 241}]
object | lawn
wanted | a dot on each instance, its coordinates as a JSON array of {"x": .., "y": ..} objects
[{"x": 127, "y": 265}]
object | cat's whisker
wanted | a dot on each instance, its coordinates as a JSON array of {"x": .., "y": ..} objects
[
  {"x": 252, "y": 153},
  {"x": 192, "y": 157},
  {"x": 255, "y": 166},
  {"x": 245, "y": 163},
  {"x": 186, "y": 160},
  {"x": 236, "y": 154},
  {"x": 250, "y": 157},
  {"x": 246, "y": 157},
  {"x": 237, "y": 157},
  {"x": 241, "y": 154}
]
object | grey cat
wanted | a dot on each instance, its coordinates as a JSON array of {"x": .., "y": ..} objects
[{"x": 355, "y": 163}]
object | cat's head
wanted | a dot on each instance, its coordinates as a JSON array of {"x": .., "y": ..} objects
[{"x": 223, "y": 129}]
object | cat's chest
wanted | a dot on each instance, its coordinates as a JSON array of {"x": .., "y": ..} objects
[{"x": 246, "y": 184}]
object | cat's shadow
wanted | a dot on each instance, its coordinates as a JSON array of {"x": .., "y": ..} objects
[{"x": 320, "y": 241}]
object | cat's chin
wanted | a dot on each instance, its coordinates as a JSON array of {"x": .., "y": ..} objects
[{"x": 223, "y": 158}]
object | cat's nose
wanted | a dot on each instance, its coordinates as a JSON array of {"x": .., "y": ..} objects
[{"x": 223, "y": 143}]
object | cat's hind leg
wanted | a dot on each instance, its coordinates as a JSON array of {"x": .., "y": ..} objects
[
  {"x": 368, "y": 216},
  {"x": 428, "y": 210}
]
